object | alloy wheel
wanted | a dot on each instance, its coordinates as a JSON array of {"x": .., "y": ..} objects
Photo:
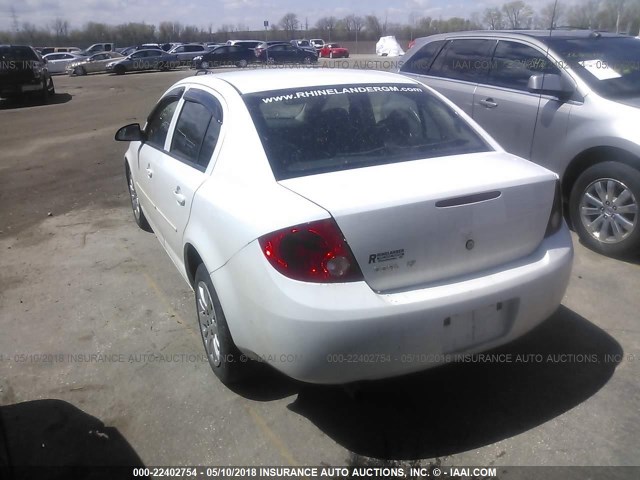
[{"x": 608, "y": 210}]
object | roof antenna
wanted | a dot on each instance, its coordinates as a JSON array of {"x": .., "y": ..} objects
[{"x": 553, "y": 16}]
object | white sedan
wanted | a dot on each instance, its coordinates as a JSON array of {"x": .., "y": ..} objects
[
  {"x": 57, "y": 62},
  {"x": 344, "y": 226}
]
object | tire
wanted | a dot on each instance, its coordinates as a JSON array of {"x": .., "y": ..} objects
[
  {"x": 80, "y": 71},
  {"x": 204, "y": 65},
  {"x": 120, "y": 70},
  {"x": 307, "y": 61},
  {"x": 243, "y": 63},
  {"x": 603, "y": 208},
  {"x": 138, "y": 214},
  {"x": 271, "y": 61},
  {"x": 48, "y": 90},
  {"x": 226, "y": 361}
]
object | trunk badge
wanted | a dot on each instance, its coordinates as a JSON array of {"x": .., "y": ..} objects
[{"x": 470, "y": 244}]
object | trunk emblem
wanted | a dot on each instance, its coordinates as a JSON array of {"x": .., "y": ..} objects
[{"x": 470, "y": 244}]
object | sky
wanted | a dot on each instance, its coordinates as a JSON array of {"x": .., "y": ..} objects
[{"x": 251, "y": 13}]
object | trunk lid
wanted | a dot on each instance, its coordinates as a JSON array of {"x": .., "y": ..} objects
[{"x": 425, "y": 221}]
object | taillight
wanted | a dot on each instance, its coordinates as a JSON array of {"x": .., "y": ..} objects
[
  {"x": 555, "y": 219},
  {"x": 311, "y": 252}
]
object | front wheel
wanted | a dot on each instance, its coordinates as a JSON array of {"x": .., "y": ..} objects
[
  {"x": 226, "y": 361},
  {"x": 604, "y": 208},
  {"x": 307, "y": 61},
  {"x": 138, "y": 214},
  {"x": 242, "y": 63}
]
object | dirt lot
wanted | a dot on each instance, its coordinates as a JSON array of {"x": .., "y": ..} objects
[{"x": 96, "y": 322}]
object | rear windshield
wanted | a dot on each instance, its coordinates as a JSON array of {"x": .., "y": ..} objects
[
  {"x": 318, "y": 130},
  {"x": 610, "y": 65}
]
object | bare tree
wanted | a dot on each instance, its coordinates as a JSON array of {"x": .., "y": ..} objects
[
  {"x": 583, "y": 15},
  {"x": 327, "y": 24},
  {"x": 551, "y": 15},
  {"x": 289, "y": 23},
  {"x": 492, "y": 18},
  {"x": 373, "y": 26},
  {"x": 518, "y": 13}
]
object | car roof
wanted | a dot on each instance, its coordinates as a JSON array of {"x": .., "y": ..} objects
[
  {"x": 268, "y": 79},
  {"x": 539, "y": 34}
]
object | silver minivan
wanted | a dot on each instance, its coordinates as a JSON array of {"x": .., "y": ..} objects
[{"x": 566, "y": 99}]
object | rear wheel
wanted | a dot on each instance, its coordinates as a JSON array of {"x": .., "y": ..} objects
[
  {"x": 80, "y": 71},
  {"x": 307, "y": 60},
  {"x": 226, "y": 361},
  {"x": 120, "y": 70},
  {"x": 604, "y": 208},
  {"x": 204, "y": 64},
  {"x": 242, "y": 63}
]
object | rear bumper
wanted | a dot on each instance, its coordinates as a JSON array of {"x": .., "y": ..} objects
[{"x": 340, "y": 333}]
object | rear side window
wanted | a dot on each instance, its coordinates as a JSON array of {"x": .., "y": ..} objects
[
  {"x": 18, "y": 54},
  {"x": 421, "y": 61},
  {"x": 318, "y": 130},
  {"x": 514, "y": 63},
  {"x": 197, "y": 130},
  {"x": 468, "y": 60}
]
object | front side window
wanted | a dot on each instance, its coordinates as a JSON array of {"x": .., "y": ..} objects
[
  {"x": 514, "y": 63},
  {"x": 160, "y": 120},
  {"x": 609, "y": 65},
  {"x": 317, "y": 130},
  {"x": 464, "y": 60}
]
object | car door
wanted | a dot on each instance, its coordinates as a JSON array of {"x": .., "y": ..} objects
[
  {"x": 138, "y": 60},
  {"x": 182, "y": 171},
  {"x": 97, "y": 62},
  {"x": 509, "y": 112},
  {"x": 150, "y": 157},
  {"x": 457, "y": 69}
]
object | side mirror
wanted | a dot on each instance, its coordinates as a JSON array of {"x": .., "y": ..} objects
[
  {"x": 130, "y": 133},
  {"x": 550, "y": 84}
]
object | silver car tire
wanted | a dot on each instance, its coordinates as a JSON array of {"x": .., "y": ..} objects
[
  {"x": 604, "y": 206},
  {"x": 138, "y": 214},
  {"x": 226, "y": 361},
  {"x": 204, "y": 65}
]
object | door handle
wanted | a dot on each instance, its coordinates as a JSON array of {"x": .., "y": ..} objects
[
  {"x": 488, "y": 102},
  {"x": 149, "y": 171},
  {"x": 181, "y": 199}
]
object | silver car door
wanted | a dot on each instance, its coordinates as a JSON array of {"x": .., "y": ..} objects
[{"x": 509, "y": 112}]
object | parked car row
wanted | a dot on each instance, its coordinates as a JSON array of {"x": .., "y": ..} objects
[{"x": 241, "y": 53}]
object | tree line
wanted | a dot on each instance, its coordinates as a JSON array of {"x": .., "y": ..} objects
[{"x": 610, "y": 15}]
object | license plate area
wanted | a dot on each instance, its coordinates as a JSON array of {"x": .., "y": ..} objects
[{"x": 478, "y": 326}]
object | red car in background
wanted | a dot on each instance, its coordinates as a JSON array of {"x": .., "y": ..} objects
[{"x": 333, "y": 50}]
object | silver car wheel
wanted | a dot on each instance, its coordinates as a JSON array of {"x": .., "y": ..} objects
[
  {"x": 608, "y": 210},
  {"x": 135, "y": 202},
  {"x": 208, "y": 323},
  {"x": 204, "y": 64}
]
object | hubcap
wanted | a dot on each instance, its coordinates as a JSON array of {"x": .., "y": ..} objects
[
  {"x": 208, "y": 324},
  {"x": 204, "y": 64},
  {"x": 608, "y": 210},
  {"x": 135, "y": 203}
]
